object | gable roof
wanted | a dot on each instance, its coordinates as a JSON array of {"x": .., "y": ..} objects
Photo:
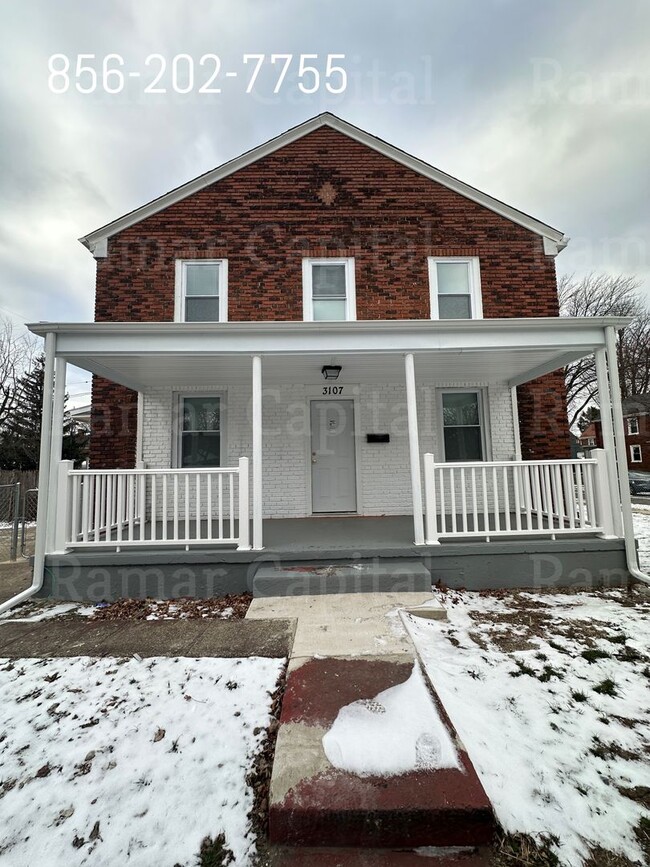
[
  {"x": 96, "y": 241},
  {"x": 636, "y": 404}
]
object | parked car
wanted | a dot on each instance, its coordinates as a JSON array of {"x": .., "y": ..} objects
[{"x": 639, "y": 483}]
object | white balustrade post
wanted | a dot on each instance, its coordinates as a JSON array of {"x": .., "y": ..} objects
[
  {"x": 604, "y": 511},
  {"x": 63, "y": 502},
  {"x": 244, "y": 525},
  {"x": 430, "y": 500},
  {"x": 414, "y": 449},
  {"x": 258, "y": 542}
]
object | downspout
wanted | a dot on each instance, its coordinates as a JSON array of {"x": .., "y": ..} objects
[
  {"x": 43, "y": 479},
  {"x": 621, "y": 459}
]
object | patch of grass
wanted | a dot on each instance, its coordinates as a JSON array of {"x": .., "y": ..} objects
[
  {"x": 611, "y": 751},
  {"x": 616, "y": 639},
  {"x": 603, "y": 858},
  {"x": 606, "y": 687},
  {"x": 550, "y": 672},
  {"x": 518, "y": 849},
  {"x": 558, "y": 647},
  {"x": 642, "y": 832},
  {"x": 594, "y": 654},
  {"x": 578, "y": 696},
  {"x": 522, "y": 668},
  {"x": 640, "y": 794},
  {"x": 215, "y": 853},
  {"x": 629, "y": 654}
]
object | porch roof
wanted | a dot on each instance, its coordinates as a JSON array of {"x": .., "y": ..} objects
[{"x": 144, "y": 354}]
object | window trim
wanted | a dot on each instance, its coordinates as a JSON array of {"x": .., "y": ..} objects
[
  {"x": 180, "y": 283},
  {"x": 474, "y": 272},
  {"x": 483, "y": 414},
  {"x": 634, "y": 460},
  {"x": 177, "y": 426},
  {"x": 634, "y": 419},
  {"x": 350, "y": 287}
]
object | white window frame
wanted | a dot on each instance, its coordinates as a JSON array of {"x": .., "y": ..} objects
[
  {"x": 483, "y": 415},
  {"x": 633, "y": 450},
  {"x": 634, "y": 420},
  {"x": 350, "y": 288},
  {"x": 177, "y": 426},
  {"x": 181, "y": 277},
  {"x": 474, "y": 274}
]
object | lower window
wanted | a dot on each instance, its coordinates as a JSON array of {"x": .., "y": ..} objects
[
  {"x": 635, "y": 454},
  {"x": 200, "y": 432},
  {"x": 462, "y": 425}
]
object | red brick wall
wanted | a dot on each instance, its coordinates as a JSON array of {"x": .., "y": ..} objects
[{"x": 265, "y": 218}]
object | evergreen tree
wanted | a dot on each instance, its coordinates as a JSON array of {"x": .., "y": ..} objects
[{"x": 20, "y": 436}]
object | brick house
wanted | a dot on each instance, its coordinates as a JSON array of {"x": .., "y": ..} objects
[
  {"x": 636, "y": 419},
  {"x": 636, "y": 416},
  {"x": 328, "y": 349}
]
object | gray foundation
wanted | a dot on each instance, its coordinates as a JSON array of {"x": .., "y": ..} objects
[{"x": 336, "y": 555}]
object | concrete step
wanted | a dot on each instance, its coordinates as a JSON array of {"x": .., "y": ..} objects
[
  {"x": 315, "y": 804},
  {"x": 375, "y": 575},
  {"x": 289, "y": 856}
]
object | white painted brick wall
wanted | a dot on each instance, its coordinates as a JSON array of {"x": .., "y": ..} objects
[{"x": 383, "y": 468}]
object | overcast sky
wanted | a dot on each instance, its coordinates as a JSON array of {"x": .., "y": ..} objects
[{"x": 543, "y": 104}]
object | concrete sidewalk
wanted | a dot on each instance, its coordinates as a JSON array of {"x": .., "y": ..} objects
[{"x": 190, "y": 638}]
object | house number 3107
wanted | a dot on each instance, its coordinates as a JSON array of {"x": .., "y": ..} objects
[{"x": 333, "y": 389}]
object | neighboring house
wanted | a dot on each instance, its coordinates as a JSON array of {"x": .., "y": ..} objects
[
  {"x": 636, "y": 418},
  {"x": 354, "y": 350},
  {"x": 588, "y": 439}
]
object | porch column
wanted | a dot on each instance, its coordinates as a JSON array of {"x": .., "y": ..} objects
[
  {"x": 257, "y": 453},
  {"x": 605, "y": 400},
  {"x": 56, "y": 445},
  {"x": 621, "y": 454},
  {"x": 515, "y": 422},
  {"x": 40, "y": 541},
  {"x": 414, "y": 449}
]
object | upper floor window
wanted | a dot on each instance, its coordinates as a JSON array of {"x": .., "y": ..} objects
[
  {"x": 201, "y": 290},
  {"x": 328, "y": 290},
  {"x": 455, "y": 286},
  {"x": 633, "y": 426}
]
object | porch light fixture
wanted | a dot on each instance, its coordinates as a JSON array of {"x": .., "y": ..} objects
[{"x": 331, "y": 371}]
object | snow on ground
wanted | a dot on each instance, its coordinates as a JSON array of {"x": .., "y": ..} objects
[
  {"x": 396, "y": 732},
  {"x": 115, "y": 761},
  {"x": 549, "y": 694},
  {"x": 641, "y": 516}
]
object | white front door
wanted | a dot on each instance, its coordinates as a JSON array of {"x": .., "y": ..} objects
[{"x": 333, "y": 470}]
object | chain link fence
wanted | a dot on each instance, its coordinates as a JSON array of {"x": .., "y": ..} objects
[{"x": 17, "y": 520}]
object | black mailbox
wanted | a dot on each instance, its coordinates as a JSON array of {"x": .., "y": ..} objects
[{"x": 377, "y": 438}]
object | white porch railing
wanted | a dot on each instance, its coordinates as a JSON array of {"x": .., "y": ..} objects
[
  {"x": 126, "y": 508},
  {"x": 516, "y": 498}
]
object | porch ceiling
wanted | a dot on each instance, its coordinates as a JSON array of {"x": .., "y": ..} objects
[{"x": 141, "y": 355}]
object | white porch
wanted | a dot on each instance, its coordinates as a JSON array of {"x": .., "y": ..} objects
[{"x": 172, "y": 507}]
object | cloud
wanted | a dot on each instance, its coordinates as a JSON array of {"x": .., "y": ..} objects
[{"x": 542, "y": 105}]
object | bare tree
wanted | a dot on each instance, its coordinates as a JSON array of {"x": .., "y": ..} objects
[
  {"x": 17, "y": 351},
  {"x": 605, "y": 295}
]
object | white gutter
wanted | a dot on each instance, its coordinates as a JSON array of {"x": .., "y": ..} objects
[
  {"x": 43, "y": 479},
  {"x": 621, "y": 459}
]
